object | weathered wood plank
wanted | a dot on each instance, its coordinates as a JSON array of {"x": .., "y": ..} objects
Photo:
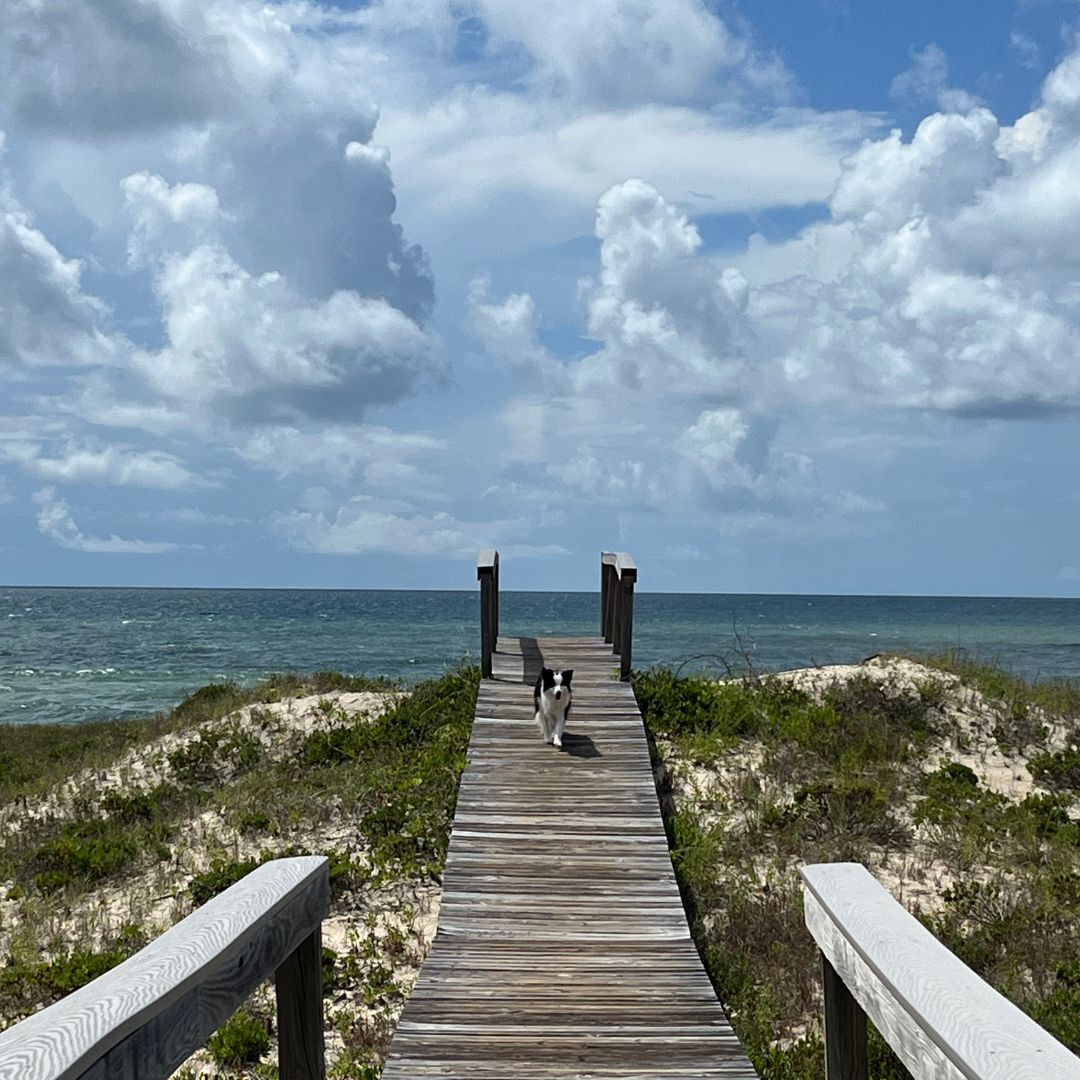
[
  {"x": 143, "y": 1018},
  {"x": 562, "y": 949}
]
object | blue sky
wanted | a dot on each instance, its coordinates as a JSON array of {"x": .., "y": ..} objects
[{"x": 776, "y": 297}]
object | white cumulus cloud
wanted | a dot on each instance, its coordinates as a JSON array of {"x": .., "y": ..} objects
[
  {"x": 55, "y": 522},
  {"x": 45, "y": 318},
  {"x": 628, "y": 424},
  {"x": 957, "y": 293},
  {"x": 122, "y": 466},
  {"x": 619, "y": 53},
  {"x": 362, "y": 525}
]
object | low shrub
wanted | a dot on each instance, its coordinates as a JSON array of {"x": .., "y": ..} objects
[
  {"x": 87, "y": 850},
  {"x": 404, "y": 766},
  {"x": 214, "y": 754},
  {"x": 1059, "y": 770},
  {"x": 241, "y": 1040},
  {"x": 26, "y": 984},
  {"x": 223, "y": 874}
]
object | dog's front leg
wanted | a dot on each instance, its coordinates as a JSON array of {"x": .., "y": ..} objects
[{"x": 560, "y": 725}]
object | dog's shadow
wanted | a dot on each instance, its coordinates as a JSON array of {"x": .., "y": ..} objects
[
  {"x": 580, "y": 746},
  {"x": 532, "y": 660}
]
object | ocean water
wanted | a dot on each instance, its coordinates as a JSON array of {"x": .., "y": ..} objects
[{"x": 77, "y": 654}]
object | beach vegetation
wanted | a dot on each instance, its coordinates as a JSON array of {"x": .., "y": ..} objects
[
  {"x": 90, "y": 849},
  {"x": 242, "y": 1040},
  {"x": 920, "y": 772},
  {"x": 1059, "y": 770},
  {"x": 149, "y": 819},
  {"x": 1024, "y": 704},
  {"x": 36, "y": 757},
  {"x": 400, "y": 771},
  {"x": 32, "y": 977},
  {"x": 213, "y": 753}
]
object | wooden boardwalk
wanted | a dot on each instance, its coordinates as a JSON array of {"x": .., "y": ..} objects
[{"x": 562, "y": 949}]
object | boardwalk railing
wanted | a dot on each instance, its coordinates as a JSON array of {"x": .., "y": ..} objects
[
  {"x": 487, "y": 573},
  {"x": 618, "y": 575},
  {"x": 142, "y": 1019},
  {"x": 942, "y": 1020}
]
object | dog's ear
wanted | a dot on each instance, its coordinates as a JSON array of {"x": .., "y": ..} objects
[
  {"x": 567, "y": 675},
  {"x": 547, "y": 677}
]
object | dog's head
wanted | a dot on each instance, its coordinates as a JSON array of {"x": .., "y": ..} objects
[{"x": 556, "y": 681}]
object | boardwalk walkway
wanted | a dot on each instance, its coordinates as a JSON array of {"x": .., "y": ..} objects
[{"x": 562, "y": 949}]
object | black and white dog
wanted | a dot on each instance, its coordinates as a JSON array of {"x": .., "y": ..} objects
[{"x": 552, "y": 698}]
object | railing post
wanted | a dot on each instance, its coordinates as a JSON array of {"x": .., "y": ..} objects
[
  {"x": 845, "y": 1029},
  {"x": 624, "y": 633},
  {"x": 607, "y": 595},
  {"x": 487, "y": 572},
  {"x": 616, "y": 609},
  {"x": 298, "y": 983}
]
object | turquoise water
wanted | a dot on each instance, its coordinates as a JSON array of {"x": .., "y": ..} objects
[{"x": 77, "y": 654}]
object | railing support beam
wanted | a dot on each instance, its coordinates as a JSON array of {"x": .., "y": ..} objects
[
  {"x": 622, "y": 622},
  {"x": 845, "y": 1029},
  {"x": 487, "y": 572},
  {"x": 298, "y": 983}
]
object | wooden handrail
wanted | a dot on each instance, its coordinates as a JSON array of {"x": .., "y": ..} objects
[
  {"x": 943, "y": 1021},
  {"x": 487, "y": 573},
  {"x": 143, "y": 1018}
]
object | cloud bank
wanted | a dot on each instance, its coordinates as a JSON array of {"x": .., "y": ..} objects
[
  {"x": 944, "y": 281},
  {"x": 206, "y": 284}
]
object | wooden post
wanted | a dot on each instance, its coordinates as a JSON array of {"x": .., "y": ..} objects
[
  {"x": 607, "y": 595},
  {"x": 627, "y": 575},
  {"x": 845, "y": 1029},
  {"x": 616, "y": 609},
  {"x": 487, "y": 572},
  {"x": 495, "y": 606},
  {"x": 298, "y": 982}
]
